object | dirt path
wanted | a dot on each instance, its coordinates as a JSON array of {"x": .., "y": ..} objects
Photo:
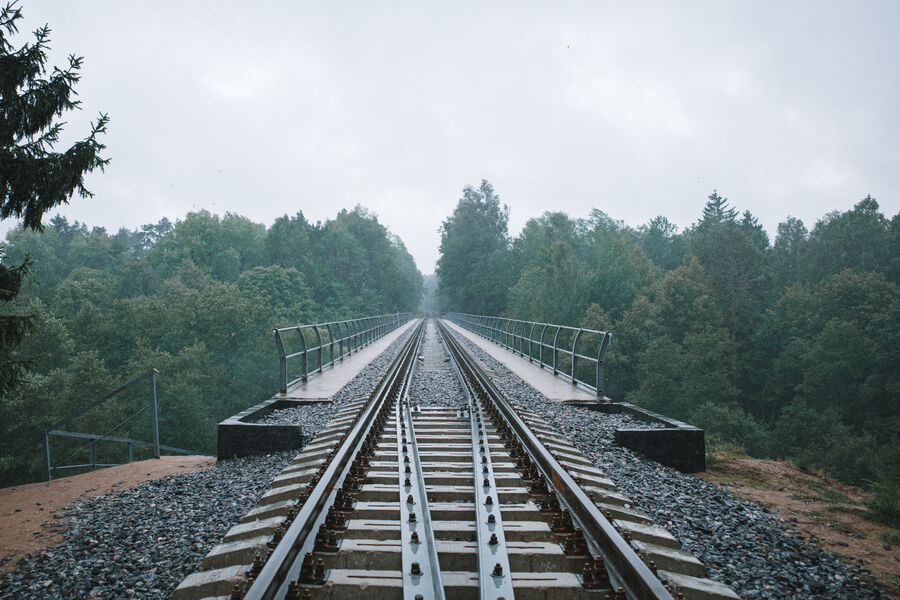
[
  {"x": 26, "y": 510},
  {"x": 817, "y": 510}
]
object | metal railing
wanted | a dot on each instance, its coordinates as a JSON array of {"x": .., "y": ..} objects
[
  {"x": 322, "y": 344},
  {"x": 91, "y": 447},
  {"x": 561, "y": 349}
]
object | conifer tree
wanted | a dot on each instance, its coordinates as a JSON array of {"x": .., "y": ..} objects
[{"x": 34, "y": 178}]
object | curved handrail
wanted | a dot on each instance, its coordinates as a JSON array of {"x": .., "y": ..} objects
[
  {"x": 343, "y": 338},
  {"x": 506, "y": 333}
]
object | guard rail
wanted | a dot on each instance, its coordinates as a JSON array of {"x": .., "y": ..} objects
[{"x": 559, "y": 348}]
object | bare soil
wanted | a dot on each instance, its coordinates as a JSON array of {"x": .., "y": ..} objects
[
  {"x": 818, "y": 510},
  {"x": 27, "y": 511}
]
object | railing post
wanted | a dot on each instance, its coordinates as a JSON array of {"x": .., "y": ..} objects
[
  {"x": 304, "y": 358},
  {"x": 47, "y": 456},
  {"x": 282, "y": 360},
  {"x": 340, "y": 341},
  {"x": 354, "y": 339},
  {"x": 331, "y": 335},
  {"x": 601, "y": 359},
  {"x": 348, "y": 337},
  {"x": 555, "y": 347},
  {"x": 153, "y": 414},
  {"x": 93, "y": 447},
  {"x": 531, "y": 339},
  {"x": 130, "y": 451},
  {"x": 574, "y": 347},
  {"x": 319, "y": 345},
  {"x": 541, "y": 346}
]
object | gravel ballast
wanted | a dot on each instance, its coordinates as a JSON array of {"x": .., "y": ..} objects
[
  {"x": 434, "y": 382},
  {"x": 740, "y": 542},
  {"x": 141, "y": 542}
]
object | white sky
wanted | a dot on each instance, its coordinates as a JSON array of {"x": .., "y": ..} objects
[{"x": 635, "y": 108}]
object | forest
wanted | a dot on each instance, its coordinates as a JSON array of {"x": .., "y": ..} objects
[
  {"x": 787, "y": 348},
  {"x": 196, "y": 299}
]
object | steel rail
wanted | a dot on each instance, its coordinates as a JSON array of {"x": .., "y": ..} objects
[
  {"x": 421, "y": 579},
  {"x": 283, "y": 565},
  {"x": 624, "y": 566},
  {"x": 493, "y": 583},
  {"x": 488, "y": 517}
]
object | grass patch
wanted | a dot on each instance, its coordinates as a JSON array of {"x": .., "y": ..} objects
[
  {"x": 835, "y": 497},
  {"x": 847, "y": 510},
  {"x": 885, "y": 503},
  {"x": 891, "y": 537},
  {"x": 720, "y": 452},
  {"x": 824, "y": 494}
]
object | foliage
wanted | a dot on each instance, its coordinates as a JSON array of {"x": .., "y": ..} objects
[
  {"x": 196, "y": 299},
  {"x": 885, "y": 503},
  {"x": 473, "y": 270},
  {"x": 788, "y": 350},
  {"x": 34, "y": 178}
]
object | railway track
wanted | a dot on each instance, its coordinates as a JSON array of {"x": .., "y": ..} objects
[{"x": 472, "y": 498}]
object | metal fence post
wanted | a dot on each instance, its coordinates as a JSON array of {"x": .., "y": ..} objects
[
  {"x": 541, "y": 346},
  {"x": 47, "y": 455},
  {"x": 282, "y": 360},
  {"x": 331, "y": 335},
  {"x": 319, "y": 344},
  {"x": 153, "y": 414},
  {"x": 601, "y": 358},
  {"x": 555, "y": 346},
  {"x": 304, "y": 359},
  {"x": 530, "y": 340},
  {"x": 574, "y": 348}
]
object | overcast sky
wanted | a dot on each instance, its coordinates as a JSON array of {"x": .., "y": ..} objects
[{"x": 638, "y": 109}]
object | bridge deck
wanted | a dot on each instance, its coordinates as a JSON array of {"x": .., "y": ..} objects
[
  {"x": 322, "y": 386},
  {"x": 553, "y": 387}
]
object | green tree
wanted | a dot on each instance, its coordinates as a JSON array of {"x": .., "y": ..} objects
[
  {"x": 530, "y": 247},
  {"x": 223, "y": 248},
  {"x": 34, "y": 178},
  {"x": 788, "y": 256},
  {"x": 555, "y": 290},
  {"x": 283, "y": 290},
  {"x": 858, "y": 239},
  {"x": 474, "y": 269},
  {"x": 661, "y": 243}
]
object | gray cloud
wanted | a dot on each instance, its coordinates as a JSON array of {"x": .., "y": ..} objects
[{"x": 637, "y": 109}]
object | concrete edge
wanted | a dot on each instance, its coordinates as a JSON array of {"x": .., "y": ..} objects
[{"x": 678, "y": 445}]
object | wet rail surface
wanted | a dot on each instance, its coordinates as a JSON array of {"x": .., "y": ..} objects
[{"x": 470, "y": 498}]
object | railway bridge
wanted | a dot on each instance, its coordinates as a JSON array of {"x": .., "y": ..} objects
[{"x": 451, "y": 475}]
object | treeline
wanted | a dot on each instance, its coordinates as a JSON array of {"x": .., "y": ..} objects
[
  {"x": 196, "y": 299},
  {"x": 789, "y": 348}
]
